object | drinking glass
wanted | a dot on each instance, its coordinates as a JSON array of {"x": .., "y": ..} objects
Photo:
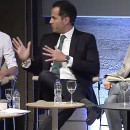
[
  {"x": 124, "y": 89},
  {"x": 9, "y": 94},
  {"x": 71, "y": 86}
]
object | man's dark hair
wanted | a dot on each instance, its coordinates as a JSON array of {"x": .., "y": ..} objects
[{"x": 66, "y": 9}]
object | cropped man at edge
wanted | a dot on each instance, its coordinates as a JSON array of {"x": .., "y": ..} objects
[
  {"x": 79, "y": 58},
  {"x": 8, "y": 57},
  {"x": 6, "y": 52}
]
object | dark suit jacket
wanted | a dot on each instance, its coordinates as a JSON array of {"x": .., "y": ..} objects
[{"x": 84, "y": 51}]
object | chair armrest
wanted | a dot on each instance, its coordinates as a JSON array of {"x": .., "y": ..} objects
[
  {"x": 35, "y": 78},
  {"x": 12, "y": 77},
  {"x": 6, "y": 80},
  {"x": 95, "y": 79}
]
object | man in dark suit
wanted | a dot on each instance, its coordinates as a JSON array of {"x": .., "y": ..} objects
[{"x": 78, "y": 57}]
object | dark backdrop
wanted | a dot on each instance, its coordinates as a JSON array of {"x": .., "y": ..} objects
[{"x": 94, "y": 7}]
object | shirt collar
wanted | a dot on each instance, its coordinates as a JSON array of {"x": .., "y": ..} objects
[{"x": 69, "y": 33}]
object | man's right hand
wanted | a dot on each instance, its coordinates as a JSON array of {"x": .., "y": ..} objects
[
  {"x": 20, "y": 49},
  {"x": 107, "y": 84}
]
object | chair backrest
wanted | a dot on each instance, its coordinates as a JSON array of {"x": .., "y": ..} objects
[
  {"x": 95, "y": 79},
  {"x": 35, "y": 78}
]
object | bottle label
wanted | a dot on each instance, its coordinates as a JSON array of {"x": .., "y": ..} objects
[
  {"x": 16, "y": 102},
  {"x": 57, "y": 92}
]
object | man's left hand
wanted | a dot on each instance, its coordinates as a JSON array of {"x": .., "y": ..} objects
[{"x": 55, "y": 55}]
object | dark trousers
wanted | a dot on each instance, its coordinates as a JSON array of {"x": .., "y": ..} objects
[{"x": 46, "y": 92}]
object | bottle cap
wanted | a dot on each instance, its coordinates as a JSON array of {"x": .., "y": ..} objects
[
  {"x": 57, "y": 80},
  {"x": 16, "y": 90}
]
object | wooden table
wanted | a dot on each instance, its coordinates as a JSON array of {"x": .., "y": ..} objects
[
  {"x": 54, "y": 107},
  {"x": 10, "y": 115}
]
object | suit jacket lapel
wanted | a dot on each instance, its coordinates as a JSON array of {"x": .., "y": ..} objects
[{"x": 73, "y": 43}]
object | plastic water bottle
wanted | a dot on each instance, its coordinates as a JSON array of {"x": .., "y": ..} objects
[
  {"x": 57, "y": 91},
  {"x": 16, "y": 99}
]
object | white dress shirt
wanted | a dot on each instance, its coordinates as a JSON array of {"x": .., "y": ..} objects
[
  {"x": 65, "y": 72},
  {"x": 6, "y": 51}
]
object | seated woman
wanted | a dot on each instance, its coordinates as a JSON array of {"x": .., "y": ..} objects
[{"x": 116, "y": 118}]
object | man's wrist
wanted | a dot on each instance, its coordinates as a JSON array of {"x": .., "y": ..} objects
[
  {"x": 67, "y": 58},
  {"x": 27, "y": 63}
]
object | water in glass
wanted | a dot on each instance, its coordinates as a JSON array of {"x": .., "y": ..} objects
[{"x": 71, "y": 86}]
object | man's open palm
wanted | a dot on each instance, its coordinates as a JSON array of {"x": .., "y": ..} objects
[{"x": 20, "y": 49}]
